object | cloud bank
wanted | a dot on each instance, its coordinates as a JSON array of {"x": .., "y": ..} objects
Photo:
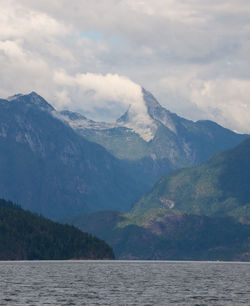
[
  {"x": 192, "y": 55},
  {"x": 102, "y": 87}
]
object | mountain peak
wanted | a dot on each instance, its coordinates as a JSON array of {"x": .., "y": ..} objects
[
  {"x": 138, "y": 119},
  {"x": 159, "y": 113},
  {"x": 149, "y": 99},
  {"x": 146, "y": 116},
  {"x": 31, "y": 99}
]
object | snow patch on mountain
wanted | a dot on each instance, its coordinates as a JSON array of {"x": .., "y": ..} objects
[
  {"x": 139, "y": 121},
  {"x": 77, "y": 121}
]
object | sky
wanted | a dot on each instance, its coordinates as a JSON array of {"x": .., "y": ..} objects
[{"x": 93, "y": 56}]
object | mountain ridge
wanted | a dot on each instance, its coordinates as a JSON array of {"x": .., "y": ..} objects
[{"x": 47, "y": 162}]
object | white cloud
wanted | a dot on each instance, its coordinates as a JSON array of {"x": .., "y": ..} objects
[
  {"x": 226, "y": 101},
  {"x": 223, "y": 100},
  {"x": 101, "y": 89},
  {"x": 18, "y": 21},
  {"x": 109, "y": 87},
  {"x": 21, "y": 70}
]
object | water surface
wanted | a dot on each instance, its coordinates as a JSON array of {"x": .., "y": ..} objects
[{"x": 124, "y": 283}]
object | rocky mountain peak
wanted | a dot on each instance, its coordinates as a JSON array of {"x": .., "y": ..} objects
[
  {"x": 143, "y": 116},
  {"x": 31, "y": 99},
  {"x": 159, "y": 113},
  {"x": 146, "y": 116},
  {"x": 137, "y": 119},
  {"x": 150, "y": 100}
]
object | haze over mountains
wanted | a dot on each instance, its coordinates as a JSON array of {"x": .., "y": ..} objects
[{"x": 50, "y": 164}]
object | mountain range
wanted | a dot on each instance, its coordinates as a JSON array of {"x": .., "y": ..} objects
[{"x": 61, "y": 164}]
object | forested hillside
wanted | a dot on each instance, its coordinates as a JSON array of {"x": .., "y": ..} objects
[{"x": 27, "y": 236}]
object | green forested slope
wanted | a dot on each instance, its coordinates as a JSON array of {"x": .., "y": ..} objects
[{"x": 220, "y": 187}]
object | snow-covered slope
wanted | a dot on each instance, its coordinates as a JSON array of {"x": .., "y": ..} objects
[{"x": 78, "y": 121}]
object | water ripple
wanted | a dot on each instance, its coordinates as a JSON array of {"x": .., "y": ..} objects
[{"x": 124, "y": 283}]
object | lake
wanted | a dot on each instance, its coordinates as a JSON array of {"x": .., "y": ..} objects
[{"x": 124, "y": 283}]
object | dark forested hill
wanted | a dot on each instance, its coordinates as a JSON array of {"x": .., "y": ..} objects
[{"x": 27, "y": 236}]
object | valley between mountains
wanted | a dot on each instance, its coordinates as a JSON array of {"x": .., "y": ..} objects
[{"x": 153, "y": 185}]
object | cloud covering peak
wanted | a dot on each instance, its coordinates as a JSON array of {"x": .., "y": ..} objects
[{"x": 109, "y": 89}]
